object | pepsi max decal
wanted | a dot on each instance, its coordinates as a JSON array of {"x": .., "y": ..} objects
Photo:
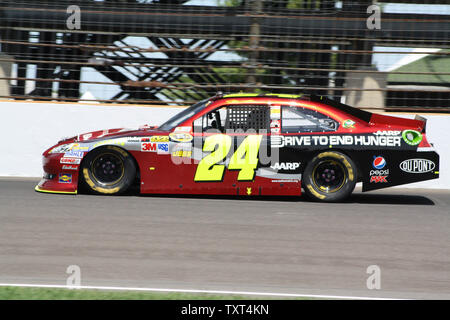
[
  {"x": 378, "y": 175},
  {"x": 378, "y": 163}
]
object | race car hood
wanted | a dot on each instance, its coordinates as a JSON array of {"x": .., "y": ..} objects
[{"x": 105, "y": 134}]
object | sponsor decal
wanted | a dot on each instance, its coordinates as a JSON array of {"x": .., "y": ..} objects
[
  {"x": 379, "y": 172},
  {"x": 182, "y": 153},
  {"x": 378, "y": 179},
  {"x": 182, "y": 129},
  {"x": 77, "y": 147},
  {"x": 69, "y": 167},
  {"x": 335, "y": 140},
  {"x": 378, "y": 175},
  {"x": 387, "y": 133},
  {"x": 87, "y": 136},
  {"x": 147, "y": 139},
  {"x": 74, "y": 154},
  {"x": 286, "y": 165},
  {"x": 285, "y": 180},
  {"x": 159, "y": 139},
  {"x": 163, "y": 148},
  {"x": 180, "y": 137},
  {"x": 133, "y": 140},
  {"x": 378, "y": 162},
  {"x": 65, "y": 178},
  {"x": 149, "y": 146},
  {"x": 275, "y": 126},
  {"x": 234, "y": 101},
  {"x": 70, "y": 161},
  {"x": 412, "y": 137},
  {"x": 348, "y": 124},
  {"x": 62, "y": 148},
  {"x": 118, "y": 142},
  {"x": 417, "y": 165},
  {"x": 275, "y": 112}
]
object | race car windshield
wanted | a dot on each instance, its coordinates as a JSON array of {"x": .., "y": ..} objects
[{"x": 183, "y": 116}]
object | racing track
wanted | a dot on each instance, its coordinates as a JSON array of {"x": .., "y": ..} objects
[{"x": 262, "y": 245}]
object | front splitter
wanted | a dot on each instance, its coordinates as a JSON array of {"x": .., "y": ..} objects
[{"x": 53, "y": 191}]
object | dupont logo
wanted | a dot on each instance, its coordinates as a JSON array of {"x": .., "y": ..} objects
[{"x": 417, "y": 165}]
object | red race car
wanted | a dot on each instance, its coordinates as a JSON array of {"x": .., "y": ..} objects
[{"x": 248, "y": 144}]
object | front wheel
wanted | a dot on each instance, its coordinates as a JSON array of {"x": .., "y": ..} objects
[
  {"x": 330, "y": 177},
  {"x": 108, "y": 170}
]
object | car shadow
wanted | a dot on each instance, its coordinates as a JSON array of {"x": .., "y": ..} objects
[
  {"x": 394, "y": 199},
  {"x": 357, "y": 197}
]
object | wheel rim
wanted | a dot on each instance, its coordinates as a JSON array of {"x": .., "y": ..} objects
[
  {"x": 329, "y": 176},
  {"x": 107, "y": 169}
]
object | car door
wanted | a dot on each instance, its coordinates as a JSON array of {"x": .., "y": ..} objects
[{"x": 229, "y": 149}]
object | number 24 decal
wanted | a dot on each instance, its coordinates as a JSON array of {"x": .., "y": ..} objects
[{"x": 244, "y": 159}]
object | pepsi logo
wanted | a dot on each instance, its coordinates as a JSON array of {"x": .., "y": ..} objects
[{"x": 378, "y": 162}]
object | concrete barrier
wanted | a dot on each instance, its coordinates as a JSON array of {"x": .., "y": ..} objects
[{"x": 28, "y": 128}]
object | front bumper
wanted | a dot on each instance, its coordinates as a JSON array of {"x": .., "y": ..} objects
[{"x": 58, "y": 177}]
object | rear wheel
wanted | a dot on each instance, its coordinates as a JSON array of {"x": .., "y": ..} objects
[
  {"x": 108, "y": 170},
  {"x": 330, "y": 177}
]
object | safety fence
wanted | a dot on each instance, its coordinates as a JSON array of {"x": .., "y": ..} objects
[{"x": 390, "y": 56}]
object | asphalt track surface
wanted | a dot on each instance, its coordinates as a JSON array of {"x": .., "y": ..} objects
[{"x": 278, "y": 245}]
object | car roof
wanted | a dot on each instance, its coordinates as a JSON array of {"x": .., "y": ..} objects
[
  {"x": 266, "y": 95},
  {"x": 358, "y": 113},
  {"x": 220, "y": 95}
]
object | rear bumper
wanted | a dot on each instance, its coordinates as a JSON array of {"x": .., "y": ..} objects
[{"x": 402, "y": 167}]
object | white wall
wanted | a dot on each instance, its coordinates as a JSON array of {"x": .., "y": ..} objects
[
  {"x": 438, "y": 133},
  {"x": 29, "y": 128}
]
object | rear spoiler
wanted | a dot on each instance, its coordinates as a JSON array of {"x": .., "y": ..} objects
[
  {"x": 424, "y": 120},
  {"x": 419, "y": 122},
  {"x": 357, "y": 113}
]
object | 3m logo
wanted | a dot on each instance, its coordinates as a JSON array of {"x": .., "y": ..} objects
[
  {"x": 149, "y": 146},
  {"x": 378, "y": 179}
]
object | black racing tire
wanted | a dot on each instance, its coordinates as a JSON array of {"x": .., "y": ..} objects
[
  {"x": 108, "y": 170},
  {"x": 330, "y": 176}
]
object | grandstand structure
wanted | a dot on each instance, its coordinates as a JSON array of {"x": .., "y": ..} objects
[{"x": 178, "y": 52}]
